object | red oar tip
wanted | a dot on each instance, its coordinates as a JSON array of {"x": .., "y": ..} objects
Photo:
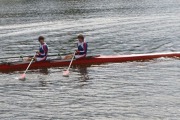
[
  {"x": 66, "y": 73},
  {"x": 22, "y": 77}
]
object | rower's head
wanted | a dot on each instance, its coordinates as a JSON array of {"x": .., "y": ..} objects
[
  {"x": 41, "y": 39},
  {"x": 80, "y": 38}
]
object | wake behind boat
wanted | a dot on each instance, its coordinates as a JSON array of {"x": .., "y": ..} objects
[{"x": 88, "y": 60}]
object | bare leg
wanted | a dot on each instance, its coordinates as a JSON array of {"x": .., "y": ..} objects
[
  {"x": 28, "y": 59},
  {"x": 68, "y": 57}
]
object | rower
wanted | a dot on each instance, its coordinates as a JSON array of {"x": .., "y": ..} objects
[
  {"x": 41, "y": 55},
  {"x": 82, "y": 48}
]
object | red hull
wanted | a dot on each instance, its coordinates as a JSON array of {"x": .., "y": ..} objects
[{"x": 87, "y": 61}]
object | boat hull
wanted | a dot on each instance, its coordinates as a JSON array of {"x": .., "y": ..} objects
[{"x": 86, "y": 61}]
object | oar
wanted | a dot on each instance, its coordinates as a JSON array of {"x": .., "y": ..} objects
[
  {"x": 12, "y": 57},
  {"x": 23, "y": 76},
  {"x": 66, "y": 73},
  {"x": 31, "y": 55}
]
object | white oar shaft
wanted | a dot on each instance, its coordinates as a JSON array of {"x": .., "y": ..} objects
[
  {"x": 29, "y": 65},
  {"x": 71, "y": 61}
]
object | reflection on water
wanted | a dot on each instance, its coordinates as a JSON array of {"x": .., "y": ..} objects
[
  {"x": 44, "y": 71},
  {"x": 83, "y": 73},
  {"x": 43, "y": 83}
]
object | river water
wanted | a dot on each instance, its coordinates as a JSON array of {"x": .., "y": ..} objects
[{"x": 120, "y": 91}]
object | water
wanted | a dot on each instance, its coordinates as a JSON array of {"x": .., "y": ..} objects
[{"x": 135, "y": 90}]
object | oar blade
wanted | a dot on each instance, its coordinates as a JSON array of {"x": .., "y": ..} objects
[
  {"x": 22, "y": 77},
  {"x": 66, "y": 73}
]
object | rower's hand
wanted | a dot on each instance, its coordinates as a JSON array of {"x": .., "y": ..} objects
[
  {"x": 33, "y": 58},
  {"x": 37, "y": 52},
  {"x": 77, "y": 51}
]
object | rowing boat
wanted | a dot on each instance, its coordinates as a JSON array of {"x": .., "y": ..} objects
[{"x": 89, "y": 60}]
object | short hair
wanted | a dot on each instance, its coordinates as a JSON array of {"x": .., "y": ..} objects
[
  {"x": 80, "y": 37},
  {"x": 41, "y": 38}
]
